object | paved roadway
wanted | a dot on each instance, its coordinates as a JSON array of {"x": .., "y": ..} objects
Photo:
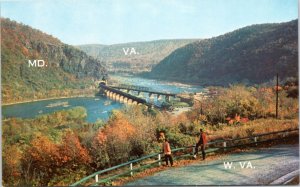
[{"x": 268, "y": 164}]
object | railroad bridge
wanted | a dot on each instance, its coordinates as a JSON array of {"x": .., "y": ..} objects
[
  {"x": 140, "y": 90},
  {"x": 121, "y": 94}
]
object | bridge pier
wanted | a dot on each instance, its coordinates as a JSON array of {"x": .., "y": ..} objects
[
  {"x": 114, "y": 96},
  {"x": 158, "y": 97},
  {"x": 125, "y": 100},
  {"x": 167, "y": 98},
  {"x": 121, "y": 99},
  {"x": 129, "y": 102},
  {"x": 151, "y": 97},
  {"x": 117, "y": 97}
]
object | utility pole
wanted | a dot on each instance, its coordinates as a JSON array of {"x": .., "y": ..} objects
[
  {"x": 277, "y": 89},
  {"x": 201, "y": 110}
]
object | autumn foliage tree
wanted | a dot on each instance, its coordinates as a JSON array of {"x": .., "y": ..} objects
[
  {"x": 40, "y": 161},
  {"x": 11, "y": 165},
  {"x": 45, "y": 160},
  {"x": 115, "y": 138}
]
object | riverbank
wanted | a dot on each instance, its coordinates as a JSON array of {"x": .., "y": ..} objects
[
  {"x": 44, "y": 99},
  {"x": 178, "y": 111},
  {"x": 145, "y": 75}
]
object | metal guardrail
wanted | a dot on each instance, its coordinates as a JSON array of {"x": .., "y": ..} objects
[{"x": 253, "y": 140}]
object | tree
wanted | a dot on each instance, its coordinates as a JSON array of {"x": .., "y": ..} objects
[
  {"x": 12, "y": 165},
  {"x": 112, "y": 144},
  {"x": 41, "y": 160}
]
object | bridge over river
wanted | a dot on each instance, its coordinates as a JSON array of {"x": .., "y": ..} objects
[
  {"x": 145, "y": 90},
  {"x": 121, "y": 94}
]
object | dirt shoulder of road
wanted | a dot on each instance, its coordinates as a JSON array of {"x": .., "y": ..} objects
[
  {"x": 294, "y": 181},
  {"x": 180, "y": 163}
]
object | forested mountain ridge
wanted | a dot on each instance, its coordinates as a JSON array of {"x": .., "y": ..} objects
[
  {"x": 251, "y": 55},
  {"x": 68, "y": 69},
  {"x": 149, "y": 53}
]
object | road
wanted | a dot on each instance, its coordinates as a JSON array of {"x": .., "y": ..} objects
[{"x": 268, "y": 164}]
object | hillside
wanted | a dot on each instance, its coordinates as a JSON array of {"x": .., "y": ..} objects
[
  {"x": 69, "y": 71},
  {"x": 147, "y": 54},
  {"x": 251, "y": 55}
]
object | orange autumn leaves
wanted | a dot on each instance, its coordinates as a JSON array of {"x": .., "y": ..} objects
[
  {"x": 11, "y": 162},
  {"x": 118, "y": 128},
  {"x": 113, "y": 143},
  {"x": 48, "y": 158},
  {"x": 46, "y": 153}
]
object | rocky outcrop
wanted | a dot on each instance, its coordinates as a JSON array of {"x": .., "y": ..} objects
[{"x": 66, "y": 66}]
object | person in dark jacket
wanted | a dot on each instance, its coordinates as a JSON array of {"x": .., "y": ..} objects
[{"x": 202, "y": 142}]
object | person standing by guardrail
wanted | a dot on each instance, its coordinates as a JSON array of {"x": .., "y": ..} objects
[
  {"x": 202, "y": 142},
  {"x": 167, "y": 152}
]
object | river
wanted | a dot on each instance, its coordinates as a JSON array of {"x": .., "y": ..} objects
[{"x": 97, "y": 107}]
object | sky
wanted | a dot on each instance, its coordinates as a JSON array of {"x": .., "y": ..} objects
[{"x": 119, "y": 21}]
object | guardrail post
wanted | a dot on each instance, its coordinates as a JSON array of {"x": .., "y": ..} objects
[
  {"x": 255, "y": 140},
  {"x": 131, "y": 173},
  {"x": 224, "y": 145},
  {"x": 97, "y": 178},
  {"x": 159, "y": 158}
]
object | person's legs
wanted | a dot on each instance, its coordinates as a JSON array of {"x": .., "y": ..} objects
[
  {"x": 167, "y": 159},
  {"x": 171, "y": 160},
  {"x": 196, "y": 150},
  {"x": 203, "y": 151}
]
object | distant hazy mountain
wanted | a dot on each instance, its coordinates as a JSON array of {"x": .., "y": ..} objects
[
  {"x": 67, "y": 67},
  {"x": 252, "y": 54},
  {"x": 141, "y": 56}
]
